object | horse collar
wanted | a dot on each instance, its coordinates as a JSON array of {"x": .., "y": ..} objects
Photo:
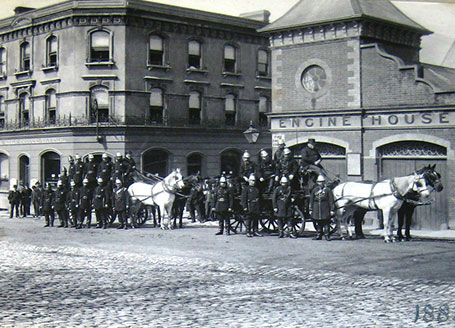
[{"x": 395, "y": 191}]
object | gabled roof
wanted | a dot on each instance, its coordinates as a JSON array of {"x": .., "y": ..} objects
[{"x": 311, "y": 12}]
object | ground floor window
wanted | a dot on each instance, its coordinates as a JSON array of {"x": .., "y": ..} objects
[
  {"x": 50, "y": 167},
  {"x": 156, "y": 161},
  {"x": 230, "y": 161},
  {"x": 194, "y": 164}
]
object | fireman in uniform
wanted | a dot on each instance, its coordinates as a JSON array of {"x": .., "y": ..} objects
[
  {"x": 196, "y": 203},
  {"x": 105, "y": 169},
  {"x": 121, "y": 203},
  {"x": 322, "y": 207},
  {"x": 118, "y": 168},
  {"x": 60, "y": 204},
  {"x": 14, "y": 201},
  {"x": 73, "y": 201},
  {"x": 280, "y": 151},
  {"x": 310, "y": 155},
  {"x": 71, "y": 167},
  {"x": 251, "y": 201},
  {"x": 247, "y": 167},
  {"x": 90, "y": 171},
  {"x": 130, "y": 167},
  {"x": 78, "y": 171},
  {"x": 101, "y": 203},
  {"x": 222, "y": 204},
  {"x": 281, "y": 201},
  {"x": 286, "y": 167},
  {"x": 85, "y": 206},
  {"x": 47, "y": 206},
  {"x": 266, "y": 172}
]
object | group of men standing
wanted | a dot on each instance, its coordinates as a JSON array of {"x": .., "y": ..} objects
[
  {"x": 276, "y": 177},
  {"x": 83, "y": 187}
]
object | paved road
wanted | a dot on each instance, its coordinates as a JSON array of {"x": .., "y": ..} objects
[{"x": 190, "y": 278}]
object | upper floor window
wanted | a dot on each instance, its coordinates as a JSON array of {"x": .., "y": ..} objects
[
  {"x": 52, "y": 49},
  {"x": 195, "y": 107},
  {"x": 24, "y": 109},
  {"x": 99, "y": 99},
  {"x": 194, "y": 54},
  {"x": 230, "y": 58},
  {"x": 2, "y": 62},
  {"x": 25, "y": 56},
  {"x": 263, "y": 110},
  {"x": 100, "y": 46},
  {"x": 156, "y": 106},
  {"x": 156, "y": 50},
  {"x": 230, "y": 109},
  {"x": 51, "y": 107},
  {"x": 263, "y": 63}
]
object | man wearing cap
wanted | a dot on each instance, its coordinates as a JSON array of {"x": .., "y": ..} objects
[
  {"x": 14, "y": 200},
  {"x": 71, "y": 167},
  {"x": 310, "y": 155},
  {"x": 90, "y": 170},
  {"x": 47, "y": 206},
  {"x": 222, "y": 204},
  {"x": 37, "y": 193},
  {"x": 286, "y": 166},
  {"x": 85, "y": 206},
  {"x": 118, "y": 168},
  {"x": 251, "y": 204},
  {"x": 279, "y": 153},
  {"x": 73, "y": 201},
  {"x": 281, "y": 201},
  {"x": 101, "y": 203},
  {"x": 60, "y": 204},
  {"x": 121, "y": 203},
  {"x": 105, "y": 169},
  {"x": 78, "y": 171},
  {"x": 322, "y": 207},
  {"x": 247, "y": 167},
  {"x": 266, "y": 170},
  {"x": 130, "y": 167}
]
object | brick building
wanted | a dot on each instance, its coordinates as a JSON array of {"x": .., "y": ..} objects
[
  {"x": 175, "y": 86},
  {"x": 347, "y": 73}
]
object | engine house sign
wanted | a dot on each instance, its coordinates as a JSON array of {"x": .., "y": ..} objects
[{"x": 423, "y": 119}]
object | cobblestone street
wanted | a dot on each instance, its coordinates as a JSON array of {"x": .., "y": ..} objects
[{"x": 87, "y": 279}]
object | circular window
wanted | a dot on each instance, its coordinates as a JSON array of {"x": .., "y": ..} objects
[{"x": 314, "y": 79}]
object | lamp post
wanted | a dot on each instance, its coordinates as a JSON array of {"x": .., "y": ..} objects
[{"x": 251, "y": 134}]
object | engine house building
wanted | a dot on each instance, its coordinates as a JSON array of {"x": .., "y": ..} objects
[
  {"x": 175, "y": 86},
  {"x": 347, "y": 73}
]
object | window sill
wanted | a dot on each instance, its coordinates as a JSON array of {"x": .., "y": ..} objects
[
  {"x": 49, "y": 68},
  {"x": 262, "y": 77},
  {"x": 159, "y": 67},
  {"x": 231, "y": 74},
  {"x": 27, "y": 72},
  {"x": 196, "y": 70},
  {"x": 101, "y": 63}
]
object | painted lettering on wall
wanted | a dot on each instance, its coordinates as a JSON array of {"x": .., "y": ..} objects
[{"x": 411, "y": 119}]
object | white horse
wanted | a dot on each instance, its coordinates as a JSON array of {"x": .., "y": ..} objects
[
  {"x": 387, "y": 195},
  {"x": 161, "y": 194}
]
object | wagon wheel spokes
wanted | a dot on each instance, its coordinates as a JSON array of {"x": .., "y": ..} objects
[
  {"x": 110, "y": 218},
  {"x": 141, "y": 215},
  {"x": 269, "y": 224},
  {"x": 333, "y": 225},
  {"x": 299, "y": 221},
  {"x": 236, "y": 224}
]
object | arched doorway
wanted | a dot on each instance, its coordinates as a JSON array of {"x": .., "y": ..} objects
[
  {"x": 24, "y": 169},
  {"x": 230, "y": 161},
  {"x": 50, "y": 167},
  {"x": 405, "y": 157},
  {"x": 156, "y": 161},
  {"x": 194, "y": 164}
]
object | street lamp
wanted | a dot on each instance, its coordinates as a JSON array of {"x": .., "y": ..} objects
[{"x": 251, "y": 134}]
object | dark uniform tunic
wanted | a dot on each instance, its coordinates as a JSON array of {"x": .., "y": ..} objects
[
  {"x": 321, "y": 206},
  {"x": 73, "y": 201},
  {"x": 309, "y": 156},
  {"x": 100, "y": 204},
  {"x": 286, "y": 167},
  {"x": 14, "y": 200},
  {"x": 86, "y": 205},
  {"x": 60, "y": 206},
  {"x": 130, "y": 166},
  {"x": 222, "y": 201},
  {"x": 118, "y": 170},
  {"x": 78, "y": 173},
  {"x": 90, "y": 171},
  {"x": 281, "y": 201},
  {"x": 105, "y": 171},
  {"x": 120, "y": 204},
  {"x": 47, "y": 203},
  {"x": 267, "y": 170},
  {"x": 251, "y": 203},
  {"x": 246, "y": 169},
  {"x": 196, "y": 203},
  {"x": 71, "y": 170}
]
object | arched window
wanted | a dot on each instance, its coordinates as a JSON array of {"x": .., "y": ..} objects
[
  {"x": 195, "y": 107},
  {"x": 4, "y": 171},
  {"x": 230, "y": 59},
  {"x": 2, "y": 62},
  {"x": 230, "y": 108},
  {"x": 194, "y": 54},
  {"x": 25, "y": 56},
  {"x": 156, "y": 161},
  {"x": 230, "y": 161},
  {"x": 194, "y": 164},
  {"x": 50, "y": 167},
  {"x": 2, "y": 113},
  {"x": 51, "y": 51},
  {"x": 99, "y": 98},
  {"x": 264, "y": 108},
  {"x": 156, "y": 106},
  {"x": 100, "y": 46},
  {"x": 263, "y": 63},
  {"x": 24, "y": 109},
  {"x": 156, "y": 50},
  {"x": 51, "y": 106},
  {"x": 24, "y": 169}
]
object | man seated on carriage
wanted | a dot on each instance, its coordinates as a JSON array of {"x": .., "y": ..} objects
[
  {"x": 322, "y": 207},
  {"x": 266, "y": 172},
  {"x": 280, "y": 151},
  {"x": 222, "y": 204},
  {"x": 247, "y": 167},
  {"x": 105, "y": 170},
  {"x": 286, "y": 167},
  {"x": 130, "y": 167},
  {"x": 281, "y": 201},
  {"x": 251, "y": 202},
  {"x": 118, "y": 168},
  {"x": 310, "y": 162}
]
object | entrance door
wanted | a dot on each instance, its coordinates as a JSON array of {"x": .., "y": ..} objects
[
  {"x": 399, "y": 159},
  {"x": 50, "y": 167},
  {"x": 24, "y": 169}
]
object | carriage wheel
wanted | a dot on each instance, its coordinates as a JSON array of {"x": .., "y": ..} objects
[
  {"x": 268, "y": 224},
  {"x": 141, "y": 215},
  {"x": 333, "y": 225},
  {"x": 110, "y": 218},
  {"x": 299, "y": 221},
  {"x": 237, "y": 224}
]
